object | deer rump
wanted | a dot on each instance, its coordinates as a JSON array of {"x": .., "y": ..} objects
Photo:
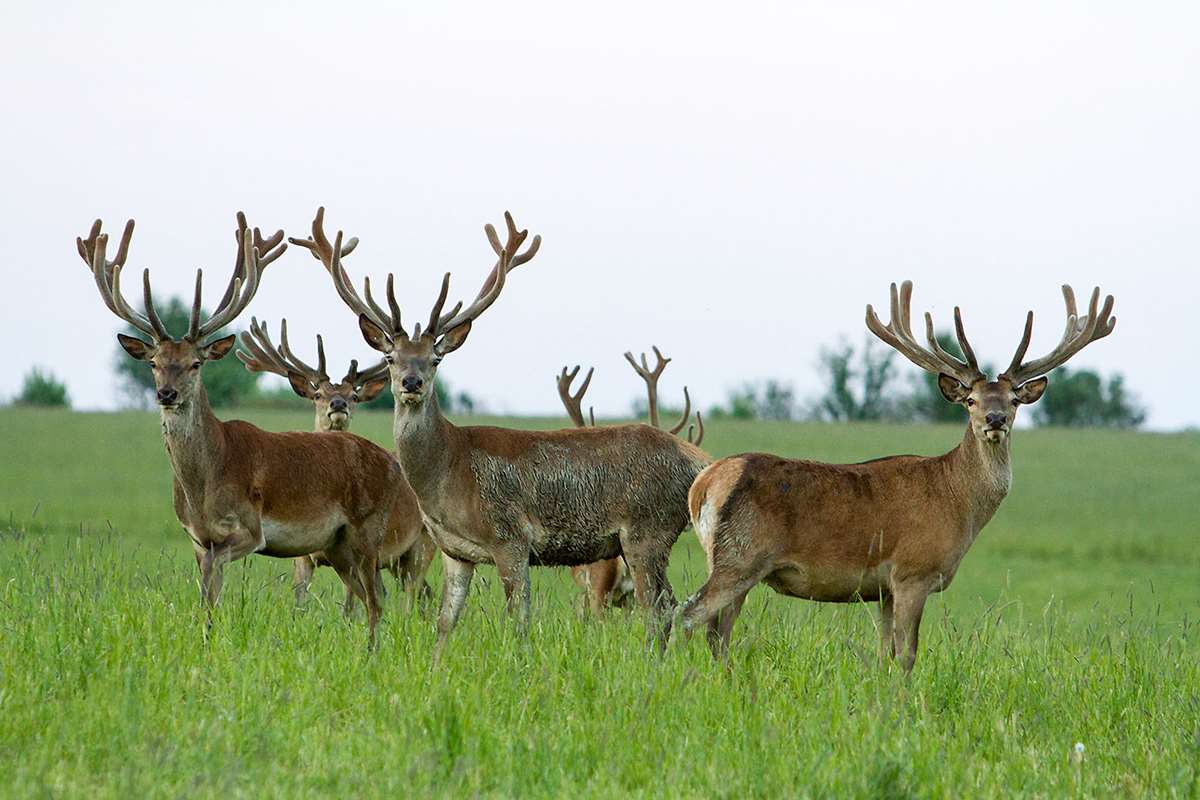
[{"x": 569, "y": 494}]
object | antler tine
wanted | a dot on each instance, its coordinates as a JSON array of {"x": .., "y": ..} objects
[
  {"x": 483, "y": 301},
  {"x": 573, "y": 402},
  {"x": 687, "y": 412},
  {"x": 435, "y": 316},
  {"x": 285, "y": 350},
  {"x": 106, "y": 273},
  {"x": 1078, "y": 334},
  {"x": 357, "y": 378},
  {"x": 700, "y": 435},
  {"x": 650, "y": 376},
  {"x": 147, "y": 302},
  {"x": 515, "y": 238},
  {"x": 898, "y": 335}
]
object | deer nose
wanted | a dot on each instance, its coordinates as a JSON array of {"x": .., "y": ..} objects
[
  {"x": 412, "y": 383},
  {"x": 996, "y": 419},
  {"x": 167, "y": 396},
  {"x": 338, "y": 404}
]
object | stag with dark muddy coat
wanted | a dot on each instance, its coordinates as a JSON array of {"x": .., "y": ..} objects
[{"x": 510, "y": 497}]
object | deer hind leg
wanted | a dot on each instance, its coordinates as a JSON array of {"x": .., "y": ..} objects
[
  {"x": 302, "y": 575},
  {"x": 887, "y": 627},
  {"x": 647, "y": 559},
  {"x": 512, "y": 563},
  {"x": 356, "y": 563},
  {"x": 909, "y": 604},
  {"x": 720, "y": 627},
  {"x": 456, "y": 585},
  {"x": 412, "y": 568}
]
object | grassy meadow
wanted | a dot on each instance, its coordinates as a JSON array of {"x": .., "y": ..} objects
[{"x": 1072, "y": 619}]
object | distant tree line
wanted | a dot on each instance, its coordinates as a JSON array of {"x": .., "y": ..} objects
[{"x": 865, "y": 384}]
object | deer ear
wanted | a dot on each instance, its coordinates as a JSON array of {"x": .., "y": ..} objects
[
  {"x": 215, "y": 351},
  {"x": 453, "y": 340},
  {"x": 952, "y": 388},
  {"x": 375, "y": 335},
  {"x": 1032, "y": 391},
  {"x": 371, "y": 389},
  {"x": 300, "y": 385},
  {"x": 135, "y": 347}
]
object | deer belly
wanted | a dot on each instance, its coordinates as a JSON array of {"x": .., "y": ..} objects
[
  {"x": 299, "y": 537},
  {"x": 829, "y": 583},
  {"x": 568, "y": 548}
]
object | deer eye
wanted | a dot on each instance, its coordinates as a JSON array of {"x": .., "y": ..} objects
[
  {"x": 389, "y": 359},
  {"x": 153, "y": 365},
  {"x": 195, "y": 365},
  {"x": 970, "y": 401},
  {"x": 1016, "y": 402},
  {"x": 436, "y": 360}
]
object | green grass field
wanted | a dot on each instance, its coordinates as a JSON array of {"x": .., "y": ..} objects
[{"x": 1073, "y": 619}]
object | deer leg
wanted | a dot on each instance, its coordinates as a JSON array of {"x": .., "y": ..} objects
[
  {"x": 721, "y": 590},
  {"x": 356, "y": 564},
  {"x": 887, "y": 627},
  {"x": 909, "y": 603},
  {"x": 720, "y": 627},
  {"x": 647, "y": 561},
  {"x": 456, "y": 585},
  {"x": 302, "y": 575},
  {"x": 602, "y": 577},
  {"x": 512, "y": 562},
  {"x": 412, "y": 568}
]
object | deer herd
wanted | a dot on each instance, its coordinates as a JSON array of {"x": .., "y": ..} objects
[{"x": 608, "y": 501}]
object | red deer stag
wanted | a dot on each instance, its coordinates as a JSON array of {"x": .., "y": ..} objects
[
  {"x": 240, "y": 490},
  {"x": 608, "y": 582},
  {"x": 406, "y": 550},
  {"x": 892, "y": 530},
  {"x": 510, "y": 497}
]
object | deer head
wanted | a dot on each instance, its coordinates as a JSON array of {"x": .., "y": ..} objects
[
  {"x": 334, "y": 402},
  {"x": 176, "y": 361},
  {"x": 413, "y": 358},
  {"x": 991, "y": 404}
]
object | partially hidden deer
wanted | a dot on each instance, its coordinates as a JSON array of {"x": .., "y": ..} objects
[
  {"x": 407, "y": 549},
  {"x": 516, "y": 498},
  {"x": 893, "y": 530},
  {"x": 238, "y": 489},
  {"x": 608, "y": 582}
]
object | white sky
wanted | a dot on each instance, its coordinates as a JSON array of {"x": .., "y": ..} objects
[{"x": 733, "y": 183}]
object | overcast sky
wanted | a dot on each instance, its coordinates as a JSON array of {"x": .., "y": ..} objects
[{"x": 732, "y": 183}]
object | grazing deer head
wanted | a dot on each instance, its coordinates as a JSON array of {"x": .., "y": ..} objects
[
  {"x": 176, "y": 362},
  {"x": 334, "y": 402},
  {"x": 414, "y": 357},
  {"x": 991, "y": 404}
]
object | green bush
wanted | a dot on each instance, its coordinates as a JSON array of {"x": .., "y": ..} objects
[{"x": 42, "y": 389}]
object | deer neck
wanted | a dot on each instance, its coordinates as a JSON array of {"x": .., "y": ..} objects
[
  {"x": 193, "y": 439},
  {"x": 983, "y": 472},
  {"x": 424, "y": 442}
]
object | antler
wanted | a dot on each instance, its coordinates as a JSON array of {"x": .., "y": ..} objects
[
  {"x": 330, "y": 254},
  {"x": 264, "y": 356},
  {"x": 254, "y": 254},
  {"x": 650, "y": 376},
  {"x": 1079, "y": 332},
  {"x": 898, "y": 334},
  {"x": 572, "y": 402},
  {"x": 107, "y": 275}
]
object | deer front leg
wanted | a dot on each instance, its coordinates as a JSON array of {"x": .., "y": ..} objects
[
  {"x": 456, "y": 585},
  {"x": 240, "y": 536},
  {"x": 302, "y": 575}
]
